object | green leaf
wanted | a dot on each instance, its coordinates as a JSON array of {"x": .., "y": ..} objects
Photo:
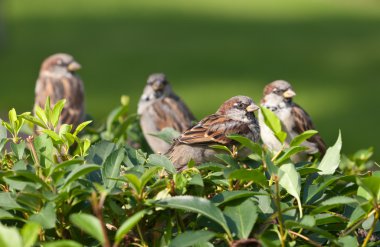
[
  {"x": 197, "y": 205},
  {"x": 34, "y": 120},
  {"x": 371, "y": 185},
  {"x": 128, "y": 225},
  {"x": 41, "y": 114},
  {"x": 111, "y": 168},
  {"x": 320, "y": 187},
  {"x": 253, "y": 146},
  {"x": 289, "y": 152},
  {"x": 290, "y": 180},
  {"x": 300, "y": 225},
  {"x": 228, "y": 196},
  {"x": 57, "y": 109},
  {"x": 8, "y": 202},
  {"x": 134, "y": 182},
  {"x": 65, "y": 128},
  {"x": 63, "y": 243},
  {"x": 148, "y": 175},
  {"x": 161, "y": 161},
  {"x": 167, "y": 134},
  {"x": 29, "y": 233},
  {"x": 332, "y": 203},
  {"x": 298, "y": 140},
  {"x": 45, "y": 150},
  {"x": 331, "y": 160},
  {"x": 221, "y": 147},
  {"x": 192, "y": 238},
  {"x": 3, "y": 131},
  {"x": 10, "y": 237},
  {"x": 272, "y": 121},
  {"x": 245, "y": 175},
  {"x": 52, "y": 135},
  {"x": 12, "y": 116},
  {"x": 46, "y": 217},
  {"x": 81, "y": 127},
  {"x": 78, "y": 172},
  {"x": 348, "y": 241},
  {"x": 356, "y": 216},
  {"x": 99, "y": 152},
  {"x": 89, "y": 224},
  {"x": 18, "y": 149},
  {"x": 66, "y": 164},
  {"x": 308, "y": 220},
  {"x": 241, "y": 218}
]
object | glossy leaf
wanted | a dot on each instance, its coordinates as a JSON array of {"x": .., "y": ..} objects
[
  {"x": 253, "y": 146},
  {"x": 89, "y": 224},
  {"x": 161, "y": 161},
  {"x": 272, "y": 121},
  {"x": 197, "y": 205},
  {"x": 128, "y": 225},
  {"x": 29, "y": 233},
  {"x": 78, "y": 172},
  {"x": 298, "y": 140},
  {"x": 331, "y": 160},
  {"x": 241, "y": 218},
  {"x": 290, "y": 180},
  {"x": 111, "y": 167},
  {"x": 10, "y": 237},
  {"x": 192, "y": 238},
  {"x": 63, "y": 243},
  {"x": 46, "y": 217}
]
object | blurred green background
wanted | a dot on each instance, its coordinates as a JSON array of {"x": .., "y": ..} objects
[{"x": 210, "y": 50}]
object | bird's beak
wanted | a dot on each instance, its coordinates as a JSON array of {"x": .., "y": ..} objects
[
  {"x": 73, "y": 66},
  {"x": 289, "y": 93},
  {"x": 158, "y": 85},
  {"x": 252, "y": 108}
]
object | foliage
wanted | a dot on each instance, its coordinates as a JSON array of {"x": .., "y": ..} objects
[{"x": 57, "y": 189}]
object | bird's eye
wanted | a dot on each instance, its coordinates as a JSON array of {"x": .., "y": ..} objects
[
  {"x": 59, "y": 62},
  {"x": 239, "y": 105}
]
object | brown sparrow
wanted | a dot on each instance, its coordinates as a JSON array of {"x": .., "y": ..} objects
[
  {"x": 235, "y": 116},
  {"x": 278, "y": 97},
  {"x": 58, "y": 80},
  {"x": 159, "y": 107}
]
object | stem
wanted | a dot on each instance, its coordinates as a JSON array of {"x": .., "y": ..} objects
[
  {"x": 305, "y": 238},
  {"x": 97, "y": 208},
  {"x": 366, "y": 240},
  {"x": 277, "y": 154},
  {"x": 140, "y": 234},
  {"x": 32, "y": 149},
  {"x": 357, "y": 224},
  {"x": 278, "y": 205}
]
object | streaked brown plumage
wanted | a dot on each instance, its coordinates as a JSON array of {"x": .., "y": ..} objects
[
  {"x": 159, "y": 107},
  {"x": 58, "y": 80},
  {"x": 235, "y": 116},
  {"x": 278, "y": 97}
]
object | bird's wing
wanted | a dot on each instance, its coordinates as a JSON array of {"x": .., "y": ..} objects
[
  {"x": 172, "y": 112},
  {"x": 70, "y": 89},
  {"x": 302, "y": 123},
  {"x": 213, "y": 130}
]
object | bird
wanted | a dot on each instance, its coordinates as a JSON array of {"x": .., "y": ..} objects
[
  {"x": 278, "y": 97},
  {"x": 159, "y": 107},
  {"x": 234, "y": 116},
  {"x": 58, "y": 80}
]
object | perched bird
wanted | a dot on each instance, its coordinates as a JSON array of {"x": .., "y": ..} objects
[
  {"x": 278, "y": 97},
  {"x": 58, "y": 80},
  {"x": 235, "y": 116},
  {"x": 159, "y": 107}
]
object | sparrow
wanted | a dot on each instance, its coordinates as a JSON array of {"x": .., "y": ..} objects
[
  {"x": 159, "y": 107},
  {"x": 58, "y": 80},
  {"x": 278, "y": 97},
  {"x": 234, "y": 116}
]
